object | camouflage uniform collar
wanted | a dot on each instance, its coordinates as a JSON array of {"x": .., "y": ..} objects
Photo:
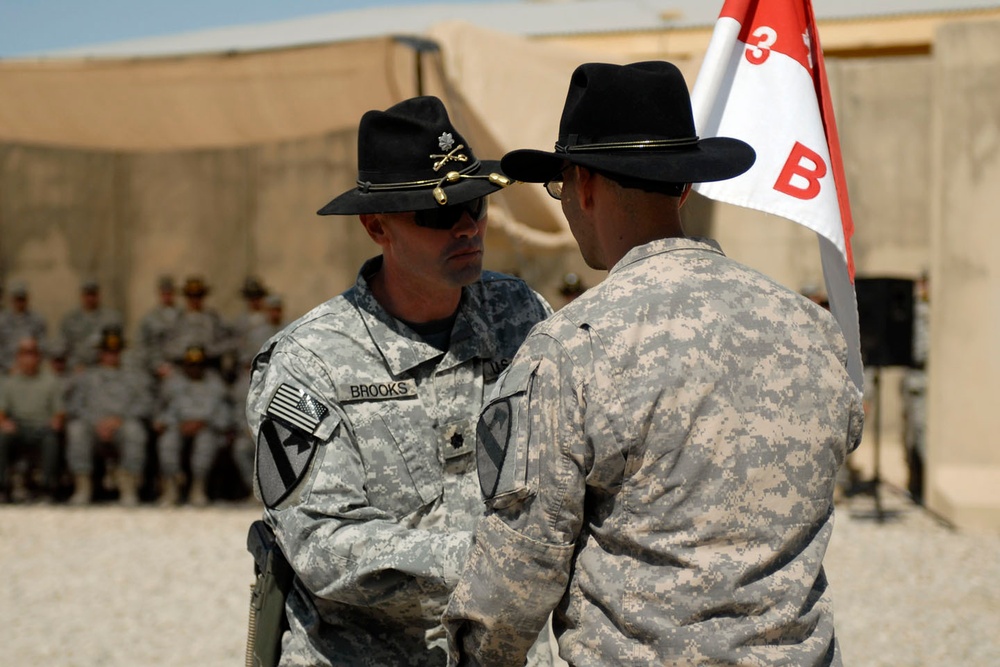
[
  {"x": 660, "y": 246},
  {"x": 402, "y": 351},
  {"x": 472, "y": 336}
]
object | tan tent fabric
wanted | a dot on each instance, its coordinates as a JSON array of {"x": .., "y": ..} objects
[
  {"x": 216, "y": 164},
  {"x": 205, "y": 101},
  {"x": 507, "y": 92}
]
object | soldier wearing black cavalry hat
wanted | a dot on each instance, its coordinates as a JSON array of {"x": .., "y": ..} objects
[
  {"x": 659, "y": 460},
  {"x": 364, "y": 409}
]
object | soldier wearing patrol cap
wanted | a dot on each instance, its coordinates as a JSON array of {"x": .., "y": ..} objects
[
  {"x": 107, "y": 406},
  {"x": 196, "y": 410},
  {"x": 364, "y": 409},
  {"x": 659, "y": 461},
  {"x": 243, "y": 327},
  {"x": 156, "y": 326},
  {"x": 81, "y": 327},
  {"x": 24, "y": 323}
]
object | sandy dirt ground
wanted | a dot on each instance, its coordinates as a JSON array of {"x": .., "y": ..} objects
[{"x": 106, "y": 586}]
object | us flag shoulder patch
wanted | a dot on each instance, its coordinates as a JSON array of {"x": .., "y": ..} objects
[{"x": 297, "y": 408}]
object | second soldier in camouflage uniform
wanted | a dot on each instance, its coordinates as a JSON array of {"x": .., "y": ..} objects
[
  {"x": 31, "y": 414},
  {"x": 365, "y": 408},
  {"x": 659, "y": 458}
]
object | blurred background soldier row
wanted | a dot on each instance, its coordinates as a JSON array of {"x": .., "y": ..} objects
[{"x": 86, "y": 417}]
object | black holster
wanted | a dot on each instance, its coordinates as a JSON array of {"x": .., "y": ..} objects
[{"x": 272, "y": 581}]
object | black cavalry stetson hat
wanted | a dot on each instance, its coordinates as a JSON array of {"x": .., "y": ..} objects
[
  {"x": 411, "y": 158},
  {"x": 633, "y": 121}
]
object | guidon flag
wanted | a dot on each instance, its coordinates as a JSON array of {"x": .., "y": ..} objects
[{"x": 763, "y": 80}]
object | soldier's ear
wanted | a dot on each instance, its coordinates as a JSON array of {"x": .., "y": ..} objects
[{"x": 374, "y": 225}]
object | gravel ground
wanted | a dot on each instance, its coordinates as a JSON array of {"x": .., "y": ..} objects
[
  {"x": 911, "y": 592},
  {"x": 109, "y": 587}
]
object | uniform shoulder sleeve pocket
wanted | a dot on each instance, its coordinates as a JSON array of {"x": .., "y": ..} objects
[
  {"x": 502, "y": 438},
  {"x": 284, "y": 459}
]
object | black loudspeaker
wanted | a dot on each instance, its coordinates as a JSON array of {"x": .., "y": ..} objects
[{"x": 885, "y": 317}]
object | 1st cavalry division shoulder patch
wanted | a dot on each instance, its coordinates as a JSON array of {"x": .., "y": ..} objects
[{"x": 285, "y": 442}]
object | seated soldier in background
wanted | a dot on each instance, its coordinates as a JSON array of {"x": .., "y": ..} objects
[
  {"x": 107, "y": 406},
  {"x": 195, "y": 411},
  {"x": 31, "y": 413}
]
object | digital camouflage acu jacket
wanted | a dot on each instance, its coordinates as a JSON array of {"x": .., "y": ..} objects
[
  {"x": 366, "y": 464},
  {"x": 659, "y": 461}
]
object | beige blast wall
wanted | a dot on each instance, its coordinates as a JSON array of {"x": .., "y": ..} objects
[
  {"x": 964, "y": 372},
  {"x": 883, "y": 109},
  {"x": 126, "y": 219}
]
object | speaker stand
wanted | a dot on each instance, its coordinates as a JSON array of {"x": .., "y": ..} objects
[
  {"x": 871, "y": 487},
  {"x": 877, "y": 463}
]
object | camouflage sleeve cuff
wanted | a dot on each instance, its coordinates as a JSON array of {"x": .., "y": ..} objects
[{"x": 508, "y": 589}]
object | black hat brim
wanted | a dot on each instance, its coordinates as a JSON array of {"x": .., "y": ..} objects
[
  {"x": 712, "y": 159},
  {"x": 355, "y": 201}
]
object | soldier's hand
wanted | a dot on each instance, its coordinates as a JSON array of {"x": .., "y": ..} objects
[
  {"x": 107, "y": 427},
  {"x": 191, "y": 427}
]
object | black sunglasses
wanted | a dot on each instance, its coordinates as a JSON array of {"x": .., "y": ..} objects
[
  {"x": 554, "y": 186},
  {"x": 445, "y": 217}
]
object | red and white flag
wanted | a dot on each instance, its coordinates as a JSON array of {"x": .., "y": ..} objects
[{"x": 763, "y": 81}]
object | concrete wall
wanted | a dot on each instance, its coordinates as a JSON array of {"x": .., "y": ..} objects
[
  {"x": 126, "y": 219},
  {"x": 964, "y": 372}
]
